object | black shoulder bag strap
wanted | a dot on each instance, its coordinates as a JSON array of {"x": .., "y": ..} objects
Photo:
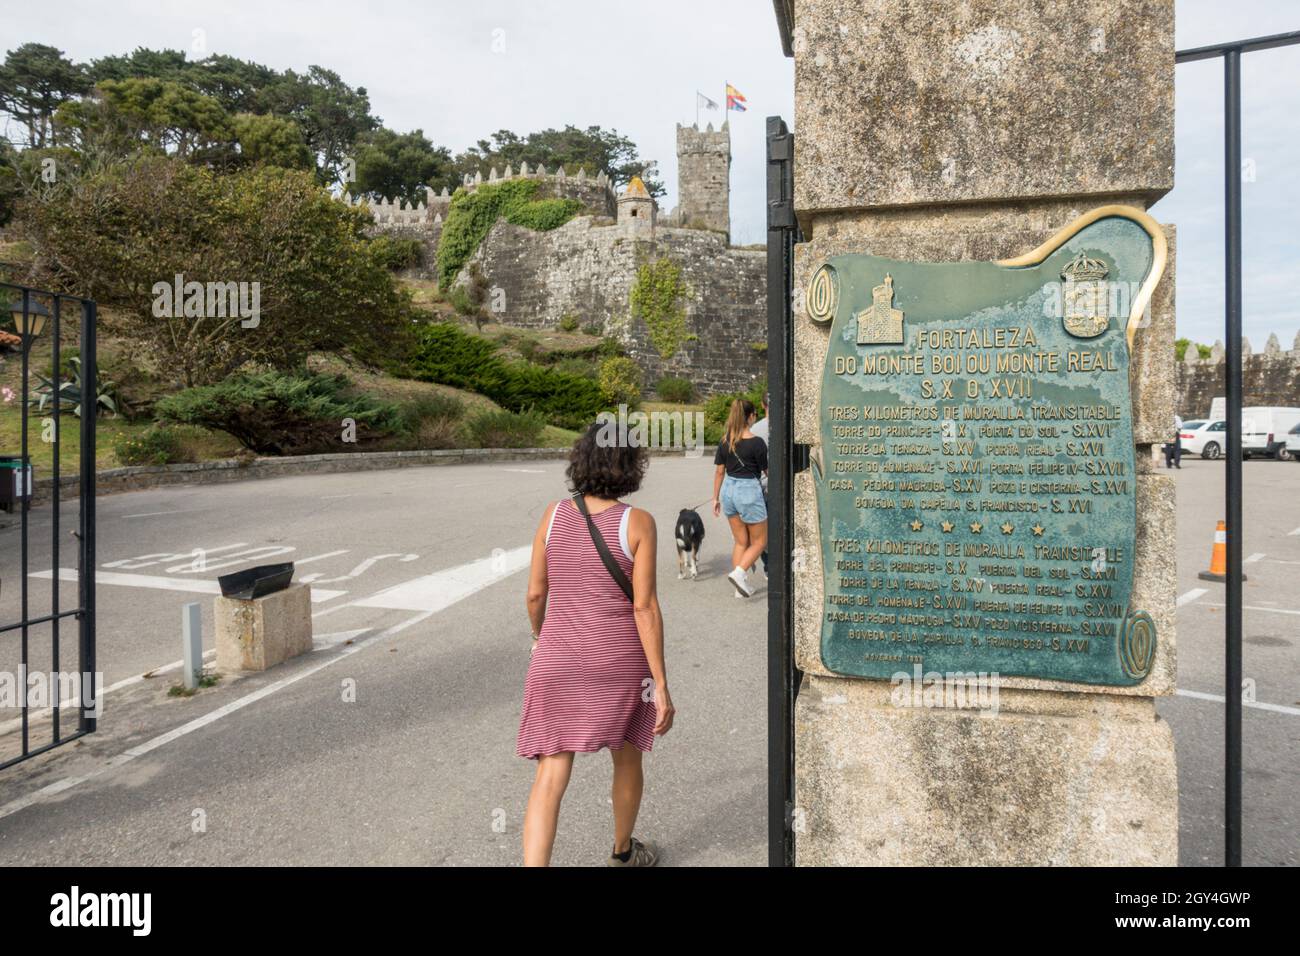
[{"x": 608, "y": 559}]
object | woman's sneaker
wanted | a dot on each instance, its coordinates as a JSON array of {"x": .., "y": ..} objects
[
  {"x": 641, "y": 854},
  {"x": 737, "y": 578}
]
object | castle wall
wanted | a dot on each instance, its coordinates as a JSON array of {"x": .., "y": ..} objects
[
  {"x": 586, "y": 269},
  {"x": 1271, "y": 377}
]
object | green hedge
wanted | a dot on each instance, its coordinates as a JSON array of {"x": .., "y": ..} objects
[
  {"x": 472, "y": 215},
  {"x": 447, "y": 354},
  {"x": 277, "y": 413}
]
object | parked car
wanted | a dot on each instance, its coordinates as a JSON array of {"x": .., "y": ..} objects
[
  {"x": 1204, "y": 438},
  {"x": 1264, "y": 431}
]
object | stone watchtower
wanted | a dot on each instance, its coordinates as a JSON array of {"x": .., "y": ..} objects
[
  {"x": 636, "y": 207},
  {"x": 704, "y": 178}
]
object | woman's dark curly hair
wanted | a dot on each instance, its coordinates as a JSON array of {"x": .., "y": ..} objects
[{"x": 603, "y": 468}]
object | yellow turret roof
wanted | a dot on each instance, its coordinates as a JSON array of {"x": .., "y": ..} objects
[{"x": 636, "y": 188}]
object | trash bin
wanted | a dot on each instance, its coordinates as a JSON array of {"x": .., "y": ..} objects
[{"x": 15, "y": 481}]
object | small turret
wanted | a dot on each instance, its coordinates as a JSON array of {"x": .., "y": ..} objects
[{"x": 636, "y": 206}]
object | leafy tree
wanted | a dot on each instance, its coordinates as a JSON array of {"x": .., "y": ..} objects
[
  {"x": 163, "y": 116},
  {"x": 322, "y": 286},
  {"x": 141, "y": 63},
  {"x": 35, "y": 80},
  {"x": 595, "y": 149},
  {"x": 272, "y": 141},
  {"x": 399, "y": 165},
  {"x": 331, "y": 114}
]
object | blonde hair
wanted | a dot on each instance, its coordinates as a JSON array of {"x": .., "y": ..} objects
[{"x": 737, "y": 421}]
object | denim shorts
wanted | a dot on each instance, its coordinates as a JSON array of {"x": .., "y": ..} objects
[{"x": 744, "y": 497}]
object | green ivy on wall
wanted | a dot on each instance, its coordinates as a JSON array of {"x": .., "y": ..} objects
[
  {"x": 472, "y": 215},
  {"x": 656, "y": 300}
]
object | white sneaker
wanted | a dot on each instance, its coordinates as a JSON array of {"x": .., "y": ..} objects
[{"x": 737, "y": 578}]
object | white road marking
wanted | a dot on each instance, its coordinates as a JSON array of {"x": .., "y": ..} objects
[
  {"x": 466, "y": 580},
  {"x": 433, "y": 592},
  {"x": 260, "y": 553},
  {"x": 361, "y": 568},
  {"x": 1190, "y": 596},
  {"x": 1292, "y": 534},
  {"x": 319, "y": 557},
  {"x": 1257, "y": 556},
  {"x": 1220, "y": 699},
  {"x": 191, "y": 585},
  {"x": 526, "y": 471},
  {"x": 75, "y": 701},
  {"x": 332, "y": 497},
  {"x": 152, "y": 514},
  {"x": 131, "y": 564},
  {"x": 59, "y": 786},
  {"x": 1256, "y": 607},
  {"x": 322, "y": 641}
]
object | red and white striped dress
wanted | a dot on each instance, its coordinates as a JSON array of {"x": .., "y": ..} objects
[{"x": 588, "y": 683}]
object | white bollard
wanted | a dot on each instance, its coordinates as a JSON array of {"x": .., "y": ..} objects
[{"x": 191, "y": 644}]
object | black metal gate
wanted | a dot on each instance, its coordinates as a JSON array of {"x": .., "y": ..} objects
[
  {"x": 1232, "y": 492},
  {"x": 782, "y": 678},
  {"x": 37, "y": 314}
]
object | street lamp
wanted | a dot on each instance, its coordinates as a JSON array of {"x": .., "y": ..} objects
[{"x": 29, "y": 322}]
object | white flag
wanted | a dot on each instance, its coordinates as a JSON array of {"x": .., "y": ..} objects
[{"x": 703, "y": 102}]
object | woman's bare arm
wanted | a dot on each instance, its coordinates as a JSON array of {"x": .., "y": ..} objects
[
  {"x": 718, "y": 474},
  {"x": 536, "y": 599},
  {"x": 643, "y": 540}
]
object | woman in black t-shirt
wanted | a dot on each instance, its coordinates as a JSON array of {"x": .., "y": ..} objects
[{"x": 738, "y": 493}]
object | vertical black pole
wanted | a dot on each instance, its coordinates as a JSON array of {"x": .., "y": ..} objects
[
  {"x": 55, "y": 360},
  {"x": 1232, "y": 491},
  {"x": 25, "y": 463},
  {"x": 86, "y": 564},
  {"x": 780, "y": 660}
]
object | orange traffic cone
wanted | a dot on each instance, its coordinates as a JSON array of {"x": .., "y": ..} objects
[{"x": 1219, "y": 556}]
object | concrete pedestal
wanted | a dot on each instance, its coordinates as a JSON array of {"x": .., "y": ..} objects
[{"x": 254, "y": 635}]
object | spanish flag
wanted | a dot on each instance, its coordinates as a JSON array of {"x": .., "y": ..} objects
[{"x": 735, "y": 99}]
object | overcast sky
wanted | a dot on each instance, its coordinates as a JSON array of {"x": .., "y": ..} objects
[{"x": 460, "y": 71}]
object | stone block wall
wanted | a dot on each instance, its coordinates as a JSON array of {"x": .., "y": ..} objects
[
  {"x": 586, "y": 269},
  {"x": 1271, "y": 377}
]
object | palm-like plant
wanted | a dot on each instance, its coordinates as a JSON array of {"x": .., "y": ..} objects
[{"x": 69, "y": 392}]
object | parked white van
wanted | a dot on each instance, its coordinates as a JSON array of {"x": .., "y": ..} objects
[{"x": 1264, "y": 431}]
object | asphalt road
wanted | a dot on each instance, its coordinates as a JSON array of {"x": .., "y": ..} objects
[{"x": 393, "y": 741}]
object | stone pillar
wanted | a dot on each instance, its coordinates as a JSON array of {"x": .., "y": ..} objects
[
  {"x": 257, "y": 634},
  {"x": 934, "y": 131}
]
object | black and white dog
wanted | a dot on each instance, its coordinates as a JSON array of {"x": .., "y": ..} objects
[{"x": 689, "y": 534}]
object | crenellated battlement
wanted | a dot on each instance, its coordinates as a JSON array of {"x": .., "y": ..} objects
[{"x": 1269, "y": 377}]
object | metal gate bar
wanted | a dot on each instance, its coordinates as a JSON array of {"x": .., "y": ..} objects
[
  {"x": 84, "y": 612},
  {"x": 782, "y": 679},
  {"x": 1231, "y": 53}
]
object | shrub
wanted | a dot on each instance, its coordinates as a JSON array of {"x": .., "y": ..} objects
[
  {"x": 578, "y": 366},
  {"x": 544, "y": 214},
  {"x": 449, "y": 355},
  {"x": 593, "y": 328},
  {"x": 656, "y": 300},
  {"x": 717, "y": 407},
  {"x": 397, "y": 252},
  {"x": 433, "y": 421},
  {"x": 155, "y": 445},
  {"x": 472, "y": 215},
  {"x": 499, "y": 428},
  {"x": 568, "y": 323},
  {"x": 678, "y": 390},
  {"x": 274, "y": 413},
  {"x": 123, "y": 233},
  {"x": 460, "y": 300},
  {"x": 620, "y": 381},
  {"x": 529, "y": 348}
]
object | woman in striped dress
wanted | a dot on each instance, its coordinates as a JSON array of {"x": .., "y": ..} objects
[{"x": 596, "y": 678}]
